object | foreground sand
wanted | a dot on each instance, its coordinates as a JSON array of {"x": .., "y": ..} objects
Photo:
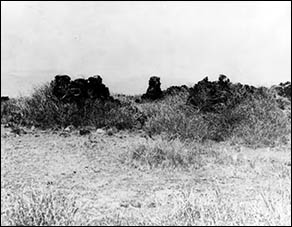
[{"x": 230, "y": 184}]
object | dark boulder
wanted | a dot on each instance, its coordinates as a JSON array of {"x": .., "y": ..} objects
[
  {"x": 223, "y": 80},
  {"x": 138, "y": 100},
  {"x": 79, "y": 90},
  {"x": 84, "y": 132},
  {"x": 60, "y": 85},
  {"x": 215, "y": 96},
  {"x": 204, "y": 95},
  {"x": 76, "y": 92},
  {"x": 4, "y": 98},
  {"x": 96, "y": 89},
  {"x": 282, "y": 94},
  {"x": 220, "y": 95},
  {"x": 283, "y": 89},
  {"x": 154, "y": 91},
  {"x": 287, "y": 88}
]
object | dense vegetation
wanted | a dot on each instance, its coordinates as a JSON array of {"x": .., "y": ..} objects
[{"x": 257, "y": 120}]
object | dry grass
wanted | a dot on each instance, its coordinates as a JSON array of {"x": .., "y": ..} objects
[
  {"x": 257, "y": 121},
  {"x": 164, "y": 153},
  {"x": 190, "y": 207},
  {"x": 172, "y": 172},
  {"x": 40, "y": 208},
  {"x": 182, "y": 184}
]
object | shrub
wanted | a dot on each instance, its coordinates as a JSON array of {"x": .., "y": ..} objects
[
  {"x": 256, "y": 120},
  {"x": 111, "y": 115},
  {"x": 174, "y": 117},
  {"x": 262, "y": 122},
  {"x": 43, "y": 109},
  {"x": 9, "y": 111}
]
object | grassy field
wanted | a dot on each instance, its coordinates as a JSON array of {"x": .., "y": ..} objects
[
  {"x": 130, "y": 179},
  {"x": 179, "y": 167}
]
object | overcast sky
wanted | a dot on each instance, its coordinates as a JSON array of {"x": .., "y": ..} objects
[{"x": 127, "y": 42}]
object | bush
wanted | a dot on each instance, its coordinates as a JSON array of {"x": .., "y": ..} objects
[
  {"x": 110, "y": 114},
  {"x": 178, "y": 120},
  {"x": 262, "y": 123},
  {"x": 256, "y": 121},
  {"x": 11, "y": 111},
  {"x": 44, "y": 110}
]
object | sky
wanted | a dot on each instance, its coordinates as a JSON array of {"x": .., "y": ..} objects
[{"x": 127, "y": 42}]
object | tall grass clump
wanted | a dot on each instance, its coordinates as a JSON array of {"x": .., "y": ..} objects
[
  {"x": 216, "y": 208},
  {"x": 262, "y": 122},
  {"x": 164, "y": 153},
  {"x": 12, "y": 111},
  {"x": 38, "y": 208},
  {"x": 110, "y": 114},
  {"x": 43, "y": 109},
  {"x": 173, "y": 117}
]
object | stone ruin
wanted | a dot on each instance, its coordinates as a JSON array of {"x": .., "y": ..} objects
[
  {"x": 215, "y": 96},
  {"x": 206, "y": 96},
  {"x": 60, "y": 85},
  {"x": 209, "y": 96},
  {"x": 153, "y": 91},
  {"x": 79, "y": 90}
]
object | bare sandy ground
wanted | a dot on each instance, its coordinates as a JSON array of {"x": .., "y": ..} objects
[{"x": 96, "y": 170}]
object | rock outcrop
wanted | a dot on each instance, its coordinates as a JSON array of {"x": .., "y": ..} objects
[
  {"x": 60, "y": 85},
  {"x": 210, "y": 96},
  {"x": 154, "y": 91},
  {"x": 215, "y": 96},
  {"x": 79, "y": 90}
]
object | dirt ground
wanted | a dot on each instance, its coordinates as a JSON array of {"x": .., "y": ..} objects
[{"x": 95, "y": 169}]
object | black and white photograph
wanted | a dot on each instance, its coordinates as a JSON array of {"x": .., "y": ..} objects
[{"x": 145, "y": 113}]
